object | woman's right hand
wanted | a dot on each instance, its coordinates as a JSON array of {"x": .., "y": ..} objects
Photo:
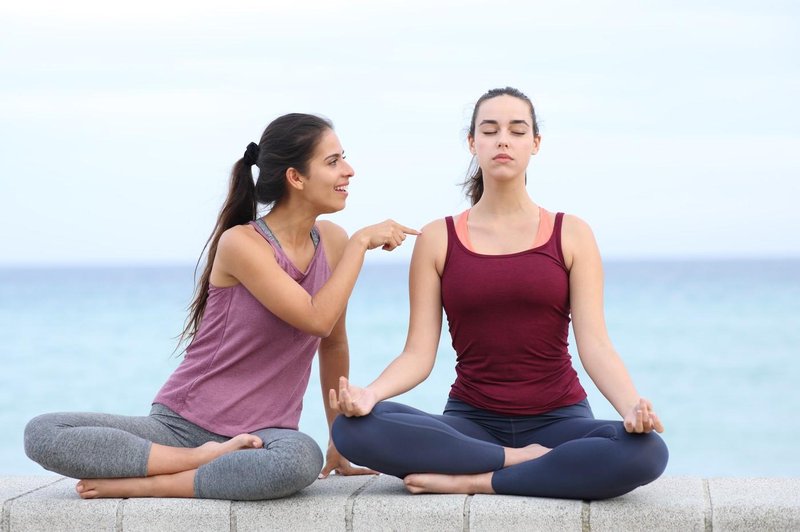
[
  {"x": 351, "y": 401},
  {"x": 387, "y": 235}
]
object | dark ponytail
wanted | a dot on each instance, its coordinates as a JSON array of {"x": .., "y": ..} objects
[
  {"x": 288, "y": 141},
  {"x": 473, "y": 184}
]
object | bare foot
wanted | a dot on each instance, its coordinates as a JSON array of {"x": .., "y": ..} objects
[
  {"x": 524, "y": 454},
  {"x": 175, "y": 485},
  {"x": 212, "y": 450},
  {"x": 436, "y": 483},
  {"x": 95, "y": 488}
]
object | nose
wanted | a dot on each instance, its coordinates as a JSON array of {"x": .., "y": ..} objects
[
  {"x": 348, "y": 170},
  {"x": 502, "y": 139}
]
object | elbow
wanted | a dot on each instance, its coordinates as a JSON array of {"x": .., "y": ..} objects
[
  {"x": 320, "y": 329},
  {"x": 323, "y": 332}
]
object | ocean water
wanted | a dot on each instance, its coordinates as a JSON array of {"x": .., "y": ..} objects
[{"x": 714, "y": 344}]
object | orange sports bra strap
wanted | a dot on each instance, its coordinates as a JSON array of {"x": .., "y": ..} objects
[
  {"x": 462, "y": 232},
  {"x": 545, "y": 231}
]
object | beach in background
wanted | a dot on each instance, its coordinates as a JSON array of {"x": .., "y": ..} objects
[{"x": 714, "y": 345}]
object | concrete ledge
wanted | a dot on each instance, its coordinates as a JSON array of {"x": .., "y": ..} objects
[{"x": 381, "y": 503}]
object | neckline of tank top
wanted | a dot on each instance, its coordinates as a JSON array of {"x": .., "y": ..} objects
[
  {"x": 542, "y": 211},
  {"x": 263, "y": 224},
  {"x": 271, "y": 238}
]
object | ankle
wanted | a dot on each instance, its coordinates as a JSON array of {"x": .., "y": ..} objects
[
  {"x": 481, "y": 483},
  {"x": 512, "y": 456}
]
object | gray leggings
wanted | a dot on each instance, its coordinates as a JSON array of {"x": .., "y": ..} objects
[{"x": 89, "y": 445}]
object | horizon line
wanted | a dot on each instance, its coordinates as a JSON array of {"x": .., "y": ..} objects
[{"x": 392, "y": 261}]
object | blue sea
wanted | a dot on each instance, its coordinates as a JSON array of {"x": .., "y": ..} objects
[{"x": 714, "y": 344}]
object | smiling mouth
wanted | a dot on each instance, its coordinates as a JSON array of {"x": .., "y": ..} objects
[{"x": 342, "y": 188}]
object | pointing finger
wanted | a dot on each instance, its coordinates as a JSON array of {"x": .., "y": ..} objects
[{"x": 409, "y": 231}]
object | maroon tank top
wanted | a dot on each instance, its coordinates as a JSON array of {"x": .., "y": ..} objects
[{"x": 509, "y": 320}]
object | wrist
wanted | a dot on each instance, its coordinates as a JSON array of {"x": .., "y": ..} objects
[
  {"x": 360, "y": 240},
  {"x": 631, "y": 405},
  {"x": 375, "y": 394}
]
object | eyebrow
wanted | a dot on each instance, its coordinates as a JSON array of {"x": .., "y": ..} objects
[
  {"x": 335, "y": 155},
  {"x": 495, "y": 122}
]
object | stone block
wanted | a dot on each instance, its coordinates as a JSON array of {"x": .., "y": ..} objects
[
  {"x": 384, "y": 504},
  {"x": 755, "y": 503},
  {"x": 175, "y": 515},
  {"x": 321, "y": 506},
  {"x": 16, "y": 486},
  {"x": 58, "y": 507},
  {"x": 507, "y": 512},
  {"x": 669, "y": 503}
]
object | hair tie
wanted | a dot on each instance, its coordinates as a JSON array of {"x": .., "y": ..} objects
[{"x": 251, "y": 154}]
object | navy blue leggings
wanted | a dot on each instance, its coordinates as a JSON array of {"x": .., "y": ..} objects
[{"x": 591, "y": 459}]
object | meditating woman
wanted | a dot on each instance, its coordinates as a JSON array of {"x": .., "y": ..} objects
[{"x": 509, "y": 274}]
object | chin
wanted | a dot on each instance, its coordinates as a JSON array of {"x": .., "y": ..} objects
[{"x": 330, "y": 209}]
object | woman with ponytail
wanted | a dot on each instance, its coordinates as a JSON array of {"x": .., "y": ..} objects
[
  {"x": 272, "y": 294},
  {"x": 510, "y": 275}
]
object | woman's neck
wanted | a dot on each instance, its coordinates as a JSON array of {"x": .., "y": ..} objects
[
  {"x": 290, "y": 225},
  {"x": 504, "y": 199}
]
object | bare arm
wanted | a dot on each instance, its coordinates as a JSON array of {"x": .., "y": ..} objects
[
  {"x": 597, "y": 353},
  {"x": 242, "y": 255},
  {"x": 416, "y": 361}
]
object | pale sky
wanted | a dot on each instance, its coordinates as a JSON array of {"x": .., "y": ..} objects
[{"x": 671, "y": 127}]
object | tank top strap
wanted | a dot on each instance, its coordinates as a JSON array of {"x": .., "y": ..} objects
[
  {"x": 267, "y": 233},
  {"x": 262, "y": 227},
  {"x": 452, "y": 235},
  {"x": 557, "y": 236}
]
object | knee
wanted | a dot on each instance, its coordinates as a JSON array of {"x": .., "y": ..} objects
[
  {"x": 39, "y": 433},
  {"x": 659, "y": 455},
  {"x": 652, "y": 457},
  {"x": 344, "y": 434},
  {"x": 304, "y": 461},
  {"x": 339, "y": 432}
]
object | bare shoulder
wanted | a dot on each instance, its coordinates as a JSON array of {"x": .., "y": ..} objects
[
  {"x": 431, "y": 245},
  {"x": 577, "y": 239},
  {"x": 237, "y": 239},
  {"x": 238, "y": 246},
  {"x": 332, "y": 232},
  {"x": 576, "y": 227},
  {"x": 434, "y": 235},
  {"x": 334, "y": 239}
]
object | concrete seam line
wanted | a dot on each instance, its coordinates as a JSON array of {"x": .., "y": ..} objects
[
  {"x": 5, "y": 518},
  {"x": 120, "y": 513},
  {"x": 586, "y": 515},
  {"x": 350, "y": 503},
  {"x": 708, "y": 511},
  {"x": 467, "y": 502}
]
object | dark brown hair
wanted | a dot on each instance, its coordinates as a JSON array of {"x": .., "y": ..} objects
[{"x": 288, "y": 141}]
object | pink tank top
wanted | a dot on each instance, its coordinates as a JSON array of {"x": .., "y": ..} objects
[
  {"x": 246, "y": 369},
  {"x": 509, "y": 321}
]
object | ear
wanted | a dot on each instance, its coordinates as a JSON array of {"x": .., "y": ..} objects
[
  {"x": 294, "y": 179},
  {"x": 537, "y": 141},
  {"x": 471, "y": 143}
]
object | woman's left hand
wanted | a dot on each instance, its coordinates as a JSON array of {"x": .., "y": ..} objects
[
  {"x": 641, "y": 418},
  {"x": 336, "y": 462}
]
